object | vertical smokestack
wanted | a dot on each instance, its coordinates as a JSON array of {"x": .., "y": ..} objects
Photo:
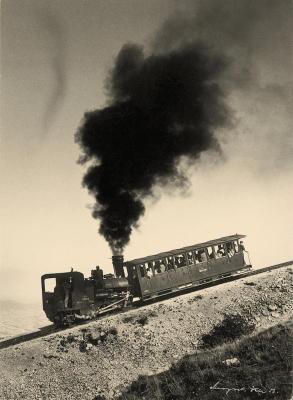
[{"x": 118, "y": 262}]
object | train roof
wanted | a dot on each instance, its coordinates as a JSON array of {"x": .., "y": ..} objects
[
  {"x": 61, "y": 274},
  {"x": 185, "y": 249}
]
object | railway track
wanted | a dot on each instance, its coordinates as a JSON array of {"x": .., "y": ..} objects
[{"x": 49, "y": 329}]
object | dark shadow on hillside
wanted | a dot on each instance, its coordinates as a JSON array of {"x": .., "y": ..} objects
[
  {"x": 232, "y": 327},
  {"x": 256, "y": 367}
]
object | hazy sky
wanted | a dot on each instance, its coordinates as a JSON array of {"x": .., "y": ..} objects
[{"x": 55, "y": 58}]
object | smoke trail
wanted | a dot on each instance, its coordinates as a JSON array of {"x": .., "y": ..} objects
[
  {"x": 163, "y": 107},
  {"x": 57, "y": 53}
]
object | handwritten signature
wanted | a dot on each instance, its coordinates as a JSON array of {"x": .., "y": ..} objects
[{"x": 250, "y": 389}]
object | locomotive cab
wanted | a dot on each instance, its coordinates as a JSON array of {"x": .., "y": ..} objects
[
  {"x": 68, "y": 296},
  {"x": 63, "y": 295}
]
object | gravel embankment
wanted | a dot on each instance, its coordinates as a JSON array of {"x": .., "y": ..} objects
[{"x": 105, "y": 356}]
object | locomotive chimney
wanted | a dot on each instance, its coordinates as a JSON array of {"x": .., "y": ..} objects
[{"x": 118, "y": 262}]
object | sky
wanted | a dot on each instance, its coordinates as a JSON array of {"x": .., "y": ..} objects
[{"x": 55, "y": 63}]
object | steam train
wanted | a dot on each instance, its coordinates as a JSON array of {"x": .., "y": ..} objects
[{"x": 73, "y": 297}]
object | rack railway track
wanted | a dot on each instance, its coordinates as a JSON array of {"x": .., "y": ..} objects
[{"x": 50, "y": 329}]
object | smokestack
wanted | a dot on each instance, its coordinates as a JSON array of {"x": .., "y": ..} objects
[{"x": 118, "y": 262}]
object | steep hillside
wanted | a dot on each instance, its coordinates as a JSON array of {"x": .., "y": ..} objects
[{"x": 103, "y": 358}]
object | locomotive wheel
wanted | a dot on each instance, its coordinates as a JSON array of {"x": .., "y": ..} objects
[{"x": 64, "y": 320}]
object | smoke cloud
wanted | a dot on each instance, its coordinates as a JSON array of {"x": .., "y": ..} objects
[
  {"x": 162, "y": 108},
  {"x": 256, "y": 36},
  {"x": 175, "y": 103}
]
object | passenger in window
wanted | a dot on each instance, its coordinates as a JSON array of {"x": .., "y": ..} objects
[
  {"x": 162, "y": 267},
  {"x": 177, "y": 262},
  {"x": 149, "y": 272},
  {"x": 230, "y": 249},
  {"x": 220, "y": 251},
  {"x": 180, "y": 262},
  {"x": 224, "y": 251},
  {"x": 149, "y": 267},
  {"x": 170, "y": 264},
  {"x": 190, "y": 259},
  {"x": 211, "y": 254},
  {"x": 203, "y": 256}
]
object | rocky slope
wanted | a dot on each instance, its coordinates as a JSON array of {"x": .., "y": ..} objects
[{"x": 104, "y": 357}]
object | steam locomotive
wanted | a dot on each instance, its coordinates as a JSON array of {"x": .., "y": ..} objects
[{"x": 73, "y": 297}]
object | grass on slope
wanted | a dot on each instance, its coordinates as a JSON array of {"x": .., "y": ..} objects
[{"x": 261, "y": 371}]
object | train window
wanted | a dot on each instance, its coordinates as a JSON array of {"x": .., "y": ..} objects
[
  {"x": 219, "y": 251},
  {"x": 190, "y": 259},
  {"x": 210, "y": 252},
  {"x": 50, "y": 284},
  {"x": 164, "y": 266},
  {"x": 196, "y": 257},
  {"x": 200, "y": 256},
  {"x": 149, "y": 269},
  {"x": 159, "y": 266},
  {"x": 156, "y": 266},
  {"x": 132, "y": 271},
  {"x": 236, "y": 247},
  {"x": 203, "y": 255},
  {"x": 142, "y": 270},
  {"x": 170, "y": 263},
  {"x": 230, "y": 249},
  {"x": 180, "y": 260}
]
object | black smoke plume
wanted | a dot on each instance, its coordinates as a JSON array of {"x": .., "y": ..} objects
[
  {"x": 257, "y": 38},
  {"x": 162, "y": 108}
]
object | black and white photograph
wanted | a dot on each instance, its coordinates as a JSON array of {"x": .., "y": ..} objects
[{"x": 146, "y": 200}]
